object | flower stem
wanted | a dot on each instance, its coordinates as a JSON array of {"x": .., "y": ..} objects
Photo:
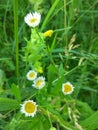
[{"x": 16, "y": 35}]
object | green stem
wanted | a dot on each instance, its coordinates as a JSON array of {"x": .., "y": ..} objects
[
  {"x": 51, "y": 57},
  {"x": 65, "y": 21},
  {"x": 48, "y": 49},
  {"x": 39, "y": 35},
  {"x": 65, "y": 26},
  {"x": 16, "y": 35},
  {"x": 48, "y": 114},
  {"x": 69, "y": 72},
  {"x": 31, "y": 96}
]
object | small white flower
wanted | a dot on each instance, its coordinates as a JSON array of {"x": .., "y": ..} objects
[
  {"x": 33, "y": 19},
  {"x": 67, "y": 88},
  {"x": 31, "y": 75},
  {"x": 39, "y": 82},
  {"x": 29, "y": 108}
]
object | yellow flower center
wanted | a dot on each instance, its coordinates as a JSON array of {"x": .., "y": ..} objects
[
  {"x": 31, "y": 75},
  {"x": 33, "y": 20},
  {"x": 30, "y": 107},
  {"x": 39, "y": 83},
  {"x": 67, "y": 88}
]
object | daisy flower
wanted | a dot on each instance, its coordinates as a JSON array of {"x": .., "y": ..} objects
[
  {"x": 29, "y": 108},
  {"x": 31, "y": 75},
  {"x": 32, "y": 19},
  {"x": 67, "y": 88},
  {"x": 39, "y": 82},
  {"x": 48, "y": 33}
]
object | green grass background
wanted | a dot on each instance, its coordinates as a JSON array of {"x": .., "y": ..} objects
[{"x": 66, "y": 18}]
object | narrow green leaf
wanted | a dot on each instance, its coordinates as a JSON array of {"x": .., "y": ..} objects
[
  {"x": 61, "y": 70},
  {"x": 8, "y": 104},
  {"x": 84, "y": 108},
  {"x": 52, "y": 73},
  {"x": 49, "y": 13},
  {"x": 16, "y": 92}
]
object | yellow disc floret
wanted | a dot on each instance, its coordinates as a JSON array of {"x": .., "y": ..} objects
[
  {"x": 30, "y": 107},
  {"x": 31, "y": 75},
  {"x": 67, "y": 88},
  {"x": 33, "y": 20},
  {"x": 39, "y": 82}
]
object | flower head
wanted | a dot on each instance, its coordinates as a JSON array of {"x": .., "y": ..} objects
[
  {"x": 40, "y": 70},
  {"x": 29, "y": 108},
  {"x": 31, "y": 75},
  {"x": 48, "y": 33},
  {"x": 39, "y": 82},
  {"x": 52, "y": 128},
  {"x": 67, "y": 88},
  {"x": 33, "y": 19}
]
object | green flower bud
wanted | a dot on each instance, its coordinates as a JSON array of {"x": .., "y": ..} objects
[{"x": 52, "y": 128}]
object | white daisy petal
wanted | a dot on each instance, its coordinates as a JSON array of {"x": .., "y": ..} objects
[
  {"x": 29, "y": 108},
  {"x": 39, "y": 83},
  {"x": 32, "y": 19},
  {"x": 67, "y": 88}
]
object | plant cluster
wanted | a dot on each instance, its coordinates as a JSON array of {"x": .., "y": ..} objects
[{"x": 48, "y": 79}]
